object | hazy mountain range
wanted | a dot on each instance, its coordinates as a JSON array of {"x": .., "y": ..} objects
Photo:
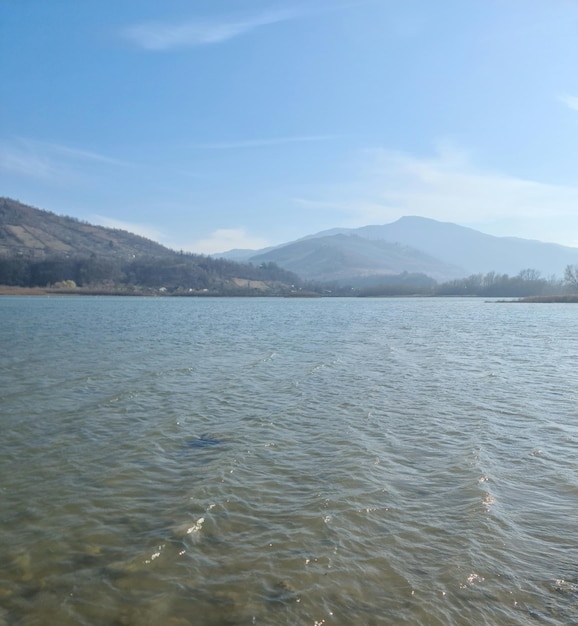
[
  {"x": 360, "y": 256},
  {"x": 441, "y": 250}
]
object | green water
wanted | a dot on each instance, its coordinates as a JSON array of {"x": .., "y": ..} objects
[{"x": 272, "y": 461}]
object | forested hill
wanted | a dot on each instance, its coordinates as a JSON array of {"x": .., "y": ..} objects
[
  {"x": 34, "y": 233},
  {"x": 40, "y": 249}
]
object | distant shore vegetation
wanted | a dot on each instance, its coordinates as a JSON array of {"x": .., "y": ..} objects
[
  {"x": 180, "y": 274},
  {"x": 196, "y": 275}
]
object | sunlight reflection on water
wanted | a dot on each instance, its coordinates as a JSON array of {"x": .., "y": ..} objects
[{"x": 258, "y": 461}]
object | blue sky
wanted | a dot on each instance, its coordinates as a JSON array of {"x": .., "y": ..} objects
[{"x": 218, "y": 124}]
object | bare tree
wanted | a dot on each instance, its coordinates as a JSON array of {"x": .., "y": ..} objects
[
  {"x": 530, "y": 274},
  {"x": 571, "y": 277}
]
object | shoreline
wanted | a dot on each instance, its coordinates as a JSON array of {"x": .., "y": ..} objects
[
  {"x": 561, "y": 299},
  {"x": 50, "y": 291}
]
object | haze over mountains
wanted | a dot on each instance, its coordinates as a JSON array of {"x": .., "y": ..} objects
[
  {"x": 347, "y": 257},
  {"x": 441, "y": 250},
  {"x": 370, "y": 255}
]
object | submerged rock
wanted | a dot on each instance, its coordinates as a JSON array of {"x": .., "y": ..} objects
[
  {"x": 283, "y": 592},
  {"x": 204, "y": 441}
]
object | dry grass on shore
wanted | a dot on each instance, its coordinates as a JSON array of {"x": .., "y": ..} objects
[
  {"x": 568, "y": 298},
  {"x": 24, "y": 291}
]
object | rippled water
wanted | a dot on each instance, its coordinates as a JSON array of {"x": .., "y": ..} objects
[{"x": 271, "y": 461}]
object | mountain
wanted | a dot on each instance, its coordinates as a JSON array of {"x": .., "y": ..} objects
[
  {"x": 348, "y": 257},
  {"x": 240, "y": 255},
  {"x": 38, "y": 247},
  {"x": 467, "y": 248},
  {"x": 441, "y": 250},
  {"x": 30, "y": 232}
]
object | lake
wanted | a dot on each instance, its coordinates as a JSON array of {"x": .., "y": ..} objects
[{"x": 176, "y": 461}]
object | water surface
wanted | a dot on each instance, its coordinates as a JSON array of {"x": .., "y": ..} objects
[{"x": 281, "y": 461}]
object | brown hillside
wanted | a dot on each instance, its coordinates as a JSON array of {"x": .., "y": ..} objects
[{"x": 30, "y": 232}]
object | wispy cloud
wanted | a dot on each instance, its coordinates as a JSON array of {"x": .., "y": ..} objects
[
  {"x": 263, "y": 143},
  {"x": 165, "y": 36},
  {"x": 47, "y": 161},
  {"x": 225, "y": 239},
  {"x": 76, "y": 154},
  {"x": 446, "y": 186},
  {"x": 570, "y": 101},
  {"x": 23, "y": 162}
]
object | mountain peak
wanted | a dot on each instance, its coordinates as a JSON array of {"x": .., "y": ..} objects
[{"x": 463, "y": 249}]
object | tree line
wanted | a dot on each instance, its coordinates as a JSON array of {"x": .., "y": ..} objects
[
  {"x": 179, "y": 272},
  {"x": 528, "y": 282},
  {"x": 185, "y": 273}
]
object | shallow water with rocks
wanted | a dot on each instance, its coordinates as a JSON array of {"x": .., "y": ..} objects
[{"x": 284, "y": 461}]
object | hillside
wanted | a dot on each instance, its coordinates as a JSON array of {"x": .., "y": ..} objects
[
  {"x": 473, "y": 251},
  {"x": 441, "y": 250},
  {"x": 347, "y": 257},
  {"x": 27, "y": 231},
  {"x": 40, "y": 249}
]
